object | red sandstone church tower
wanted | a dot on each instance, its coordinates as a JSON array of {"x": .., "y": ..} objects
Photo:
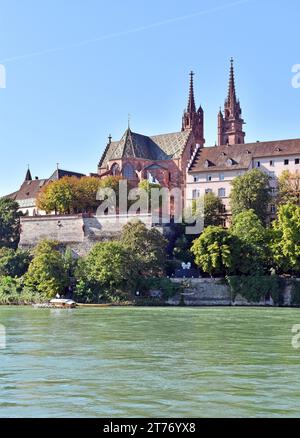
[
  {"x": 192, "y": 119},
  {"x": 230, "y": 125}
]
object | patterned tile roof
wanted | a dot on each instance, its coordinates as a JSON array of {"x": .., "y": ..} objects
[
  {"x": 159, "y": 147},
  {"x": 238, "y": 157}
]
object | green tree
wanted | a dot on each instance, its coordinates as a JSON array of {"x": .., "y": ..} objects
[
  {"x": 13, "y": 263},
  {"x": 212, "y": 206},
  {"x": 254, "y": 242},
  {"x": 106, "y": 272},
  {"x": 216, "y": 251},
  {"x": 286, "y": 239},
  {"x": 46, "y": 273},
  {"x": 289, "y": 188},
  {"x": 59, "y": 196},
  {"x": 9, "y": 223},
  {"x": 251, "y": 191},
  {"x": 148, "y": 246}
]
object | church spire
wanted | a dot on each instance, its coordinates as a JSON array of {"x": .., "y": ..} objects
[
  {"x": 231, "y": 89},
  {"x": 193, "y": 120},
  {"x": 28, "y": 176},
  {"x": 230, "y": 126},
  {"x": 191, "y": 108}
]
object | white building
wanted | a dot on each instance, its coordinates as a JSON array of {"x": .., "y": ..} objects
[{"x": 212, "y": 169}]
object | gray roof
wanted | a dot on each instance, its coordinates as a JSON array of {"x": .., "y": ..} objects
[
  {"x": 158, "y": 147},
  {"x": 59, "y": 173}
]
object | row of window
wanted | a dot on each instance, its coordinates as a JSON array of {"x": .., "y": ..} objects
[
  {"x": 210, "y": 178},
  {"x": 221, "y": 193},
  {"x": 286, "y": 162}
]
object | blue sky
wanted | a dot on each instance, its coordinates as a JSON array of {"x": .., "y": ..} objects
[{"x": 76, "y": 68}]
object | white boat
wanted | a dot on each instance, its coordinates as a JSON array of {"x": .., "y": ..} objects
[{"x": 63, "y": 303}]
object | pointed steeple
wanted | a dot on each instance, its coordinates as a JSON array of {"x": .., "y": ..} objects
[
  {"x": 28, "y": 176},
  {"x": 191, "y": 108},
  {"x": 231, "y": 89},
  {"x": 230, "y": 126},
  {"x": 193, "y": 120}
]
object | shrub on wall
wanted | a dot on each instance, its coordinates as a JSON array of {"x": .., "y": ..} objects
[{"x": 257, "y": 288}]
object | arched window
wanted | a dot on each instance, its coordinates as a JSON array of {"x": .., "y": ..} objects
[
  {"x": 128, "y": 171},
  {"x": 115, "y": 169}
]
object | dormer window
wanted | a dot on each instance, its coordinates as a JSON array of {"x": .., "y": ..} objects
[
  {"x": 206, "y": 164},
  {"x": 229, "y": 162}
]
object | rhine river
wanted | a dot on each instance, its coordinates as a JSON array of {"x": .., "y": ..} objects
[{"x": 149, "y": 362}]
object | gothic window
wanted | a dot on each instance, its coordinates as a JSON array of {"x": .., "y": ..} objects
[
  {"x": 115, "y": 170},
  {"x": 128, "y": 171}
]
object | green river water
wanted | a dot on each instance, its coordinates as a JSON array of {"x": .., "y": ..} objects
[{"x": 143, "y": 362}]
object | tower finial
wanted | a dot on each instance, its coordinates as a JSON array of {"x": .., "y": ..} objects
[{"x": 129, "y": 120}]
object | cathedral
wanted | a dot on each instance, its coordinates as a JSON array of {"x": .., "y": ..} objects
[{"x": 164, "y": 158}]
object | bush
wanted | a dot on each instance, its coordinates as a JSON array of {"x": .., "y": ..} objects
[
  {"x": 47, "y": 274},
  {"x": 256, "y": 288},
  {"x": 13, "y": 263},
  {"x": 106, "y": 273},
  {"x": 11, "y": 292}
]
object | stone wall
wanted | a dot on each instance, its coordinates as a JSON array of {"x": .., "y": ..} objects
[
  {"x": 78, "y": 232},
  {"x": 202, "y": 292},
  {"x": 215, "y": 292}
]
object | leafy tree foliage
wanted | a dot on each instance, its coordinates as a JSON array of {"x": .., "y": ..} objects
[
  {"x": 216, "y": 251},
  {"x": 254, "y": 242},
  {"x": 105, "y": 271},
  {"x": 251, "y": 191},
  {"x": 9, "y": 223},
  {"x": 286, "y": 239},
  {"x": 289, "y": 188},
  {"x": 212, "y": 208},
  {"x": 46, "y": 273},
  {"x": 13, "y": 263},
  {"x": 58, "y": 196},
  {"x": 74, "y": 195},
  {"x": 148, "y": 246}
]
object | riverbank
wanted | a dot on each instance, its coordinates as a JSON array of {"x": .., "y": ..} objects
[{"x": 271, "y": 291}]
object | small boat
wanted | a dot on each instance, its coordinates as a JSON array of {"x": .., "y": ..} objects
[{"x": 61, "y": 303}]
